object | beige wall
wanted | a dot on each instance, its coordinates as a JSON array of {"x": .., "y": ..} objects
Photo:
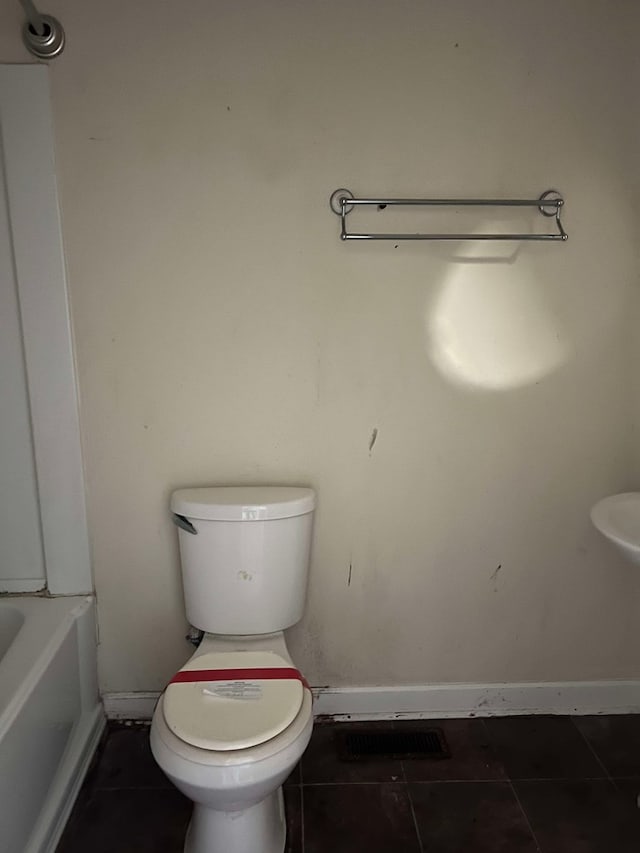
[
  {"x": 634, "y": 314},
  {"x": 225, "y": 335}
]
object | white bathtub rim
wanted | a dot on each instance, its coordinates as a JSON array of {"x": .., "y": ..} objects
[
  {"x": 18, "y": 688},
  {"x": 22, "y": 586}
]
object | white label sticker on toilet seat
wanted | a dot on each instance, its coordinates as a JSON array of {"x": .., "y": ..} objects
[{"x": 246, "y": 690}]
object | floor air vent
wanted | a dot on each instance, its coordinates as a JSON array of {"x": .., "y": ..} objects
[{"x": 364, "y": 745}]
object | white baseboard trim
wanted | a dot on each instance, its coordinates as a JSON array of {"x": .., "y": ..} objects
[
  {"x": 129, "y": 706},
  {"x": 432, "y": 701}
]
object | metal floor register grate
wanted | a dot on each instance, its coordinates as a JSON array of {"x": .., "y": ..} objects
[{"x": 363, "y": 745}]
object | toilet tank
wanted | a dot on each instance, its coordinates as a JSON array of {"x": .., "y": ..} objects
[{"x": 245, "y": 556}]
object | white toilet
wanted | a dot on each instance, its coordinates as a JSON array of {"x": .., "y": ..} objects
[{"x": 234, "y": 721}]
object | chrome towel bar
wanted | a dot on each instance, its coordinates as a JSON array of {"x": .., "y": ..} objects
[{"x": 549, "y": 204}]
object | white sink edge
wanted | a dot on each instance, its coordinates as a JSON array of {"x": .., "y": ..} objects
[{"x": 602, "y": 519}]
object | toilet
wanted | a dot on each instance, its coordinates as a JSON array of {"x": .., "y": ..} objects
[{"x": 234, "y": 721}]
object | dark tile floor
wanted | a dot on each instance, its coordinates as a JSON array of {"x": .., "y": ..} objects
[{"x": 511, "y": 785}]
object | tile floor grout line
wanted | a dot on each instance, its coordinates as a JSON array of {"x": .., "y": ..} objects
[
  {"x": 132, "y": 788},
  {"x": 135, "y": 788},
  {"x": 559, "y": 779},
  {"x": 393, "y": 781},
  {"x": 526, "y": 816},
  {"x": 471, "y": 781},
  {"x": 413, "y": 811},
  {"x": 592, "y": 750}
]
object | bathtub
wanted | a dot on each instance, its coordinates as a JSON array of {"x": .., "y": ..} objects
[{"x": 50, "y": 715}]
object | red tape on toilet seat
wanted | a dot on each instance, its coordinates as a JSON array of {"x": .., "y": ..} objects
[{"x": 260, "y": 673}]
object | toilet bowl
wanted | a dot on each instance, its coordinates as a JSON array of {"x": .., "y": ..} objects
[
  {"x": 235, "y": 720},
  {"x": 236, "y": 789}
]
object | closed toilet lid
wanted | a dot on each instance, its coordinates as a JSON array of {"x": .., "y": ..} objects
[{"x": 233, "y": 700}]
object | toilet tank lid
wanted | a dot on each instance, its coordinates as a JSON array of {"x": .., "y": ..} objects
[{"x": 243, "y": 503}]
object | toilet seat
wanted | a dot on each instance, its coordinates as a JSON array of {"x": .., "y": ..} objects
[{"x": 233, "y": 700}]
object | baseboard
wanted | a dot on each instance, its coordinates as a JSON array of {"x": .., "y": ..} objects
[
  {"x": 129, "y": 706},
  {"x": 478, "y": 700},
  {"x": 434, "y": 701}
]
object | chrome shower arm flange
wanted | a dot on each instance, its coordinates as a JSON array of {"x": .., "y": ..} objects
[{"x": 49, "y": 43}]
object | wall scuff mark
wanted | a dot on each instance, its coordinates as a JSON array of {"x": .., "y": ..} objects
[{"x": 494, "y": 577}]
